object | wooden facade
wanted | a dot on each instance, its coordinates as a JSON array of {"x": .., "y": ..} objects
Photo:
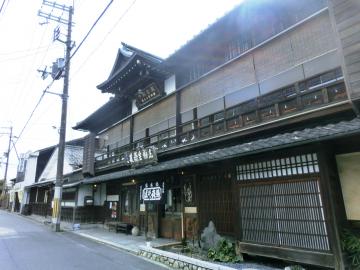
[{"x": 286, "y": 78}]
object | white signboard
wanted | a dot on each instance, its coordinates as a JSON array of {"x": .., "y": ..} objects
[{"x": 152, "y": 192}]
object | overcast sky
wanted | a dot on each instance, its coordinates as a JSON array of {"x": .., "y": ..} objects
[{"x": 156, "y": 26}]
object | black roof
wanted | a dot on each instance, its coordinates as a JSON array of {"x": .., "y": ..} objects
[
  {"x": 108, "y": 114},
  {"x": 127, "y": 58}
]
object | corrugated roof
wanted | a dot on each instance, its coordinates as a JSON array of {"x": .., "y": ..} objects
[{"x": 308, "y": 135}]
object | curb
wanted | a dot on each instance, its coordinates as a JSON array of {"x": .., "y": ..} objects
[{"x": 109, "y": 243}]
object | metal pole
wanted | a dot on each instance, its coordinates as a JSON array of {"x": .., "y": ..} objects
[
  {"x": 56, "y": 214},
  {"x": 7, "y": 164}
]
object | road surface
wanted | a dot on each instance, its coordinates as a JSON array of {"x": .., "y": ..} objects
[{"x": 25, "y": 244}]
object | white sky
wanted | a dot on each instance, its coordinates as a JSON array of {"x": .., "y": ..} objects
[{"x": 155, "y": 26}]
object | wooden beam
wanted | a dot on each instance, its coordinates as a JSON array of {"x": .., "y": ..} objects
[
  {"x": 301, "y": 256},
  {"x": 333, "y": 202}
]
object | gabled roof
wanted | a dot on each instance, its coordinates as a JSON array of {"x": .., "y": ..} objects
[
  {"x": 73, "y": 158},
  {"x": 127, "y": 61}
]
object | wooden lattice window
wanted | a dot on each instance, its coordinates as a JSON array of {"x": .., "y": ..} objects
[{"x": 288, "y": 214}]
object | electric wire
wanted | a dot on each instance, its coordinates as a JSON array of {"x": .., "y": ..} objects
[
  {"x": 91, "y": 28},
  {"x": 16, "y": 152},
  {"x": 21, "y": 97},
  {"x": 2, "y": 5},
  {"x": 33, "y": 111},
  {"x": 105, "y": 37},
  {"x": 24, "y": 56}
]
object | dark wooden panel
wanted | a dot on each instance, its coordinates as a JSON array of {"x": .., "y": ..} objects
[
  {"x": 301, "y": 256},
  {"x": 89, "y": 154},
  {"x": 215, "y": 202}
]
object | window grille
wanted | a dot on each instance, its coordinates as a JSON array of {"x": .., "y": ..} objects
[{"x": 288, "y": 166}]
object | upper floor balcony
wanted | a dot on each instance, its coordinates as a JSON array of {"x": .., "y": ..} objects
[{"x": 319, "y": 92}]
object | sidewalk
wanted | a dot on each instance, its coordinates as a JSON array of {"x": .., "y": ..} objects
[{"x": 99, "y": 233}]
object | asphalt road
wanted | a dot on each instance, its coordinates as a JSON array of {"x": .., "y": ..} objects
[{"x": 25, "y": 244}]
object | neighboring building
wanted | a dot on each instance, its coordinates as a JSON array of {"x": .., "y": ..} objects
[
  {"x": 32, "y": 191},
  {"x": 25, "y": 176},
  {"x": 252, "y": 124}
]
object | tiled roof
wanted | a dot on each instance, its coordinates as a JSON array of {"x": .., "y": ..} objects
[{"x": 308, "y": 135}]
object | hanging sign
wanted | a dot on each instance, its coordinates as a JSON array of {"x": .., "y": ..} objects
[{"x": 152, "y": 192}]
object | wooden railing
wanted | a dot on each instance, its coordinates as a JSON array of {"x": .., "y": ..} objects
[{"x": 315, "y": 92}]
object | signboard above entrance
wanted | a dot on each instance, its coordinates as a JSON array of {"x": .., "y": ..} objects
[
  {"x": 152, "y": 192},
  {"x": 142, "y": 156}
]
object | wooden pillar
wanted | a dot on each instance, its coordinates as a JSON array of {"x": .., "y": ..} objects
[
  {"x": 333, "y": 202},
  {"x": 75, "y": 206},
  {"x": 178, "y": 116},
  {"x": 131, "y": 129}
]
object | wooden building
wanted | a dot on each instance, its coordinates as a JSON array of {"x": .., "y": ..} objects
[{"x": 253, "y": 124}]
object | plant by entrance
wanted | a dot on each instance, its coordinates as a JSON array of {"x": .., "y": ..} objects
[
  {"x": 351, "y": 245},
  {"x": 225, "y": 252}
]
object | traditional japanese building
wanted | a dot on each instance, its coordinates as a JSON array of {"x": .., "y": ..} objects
[{"x": 253, "y": 124}]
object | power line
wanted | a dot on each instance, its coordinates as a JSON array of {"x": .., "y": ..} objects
[
  {"x": 33, "y": 111},
  {"x": 35, "y": 53},
  {"x": 2, "y": 5},
  {"x": 105, "y": 37},
  {"x": 20, "y": 97},
  {"x": 23, "y": 51},
  {"x": 92, "y": 27},
  {"x": 17, "y": 155}
]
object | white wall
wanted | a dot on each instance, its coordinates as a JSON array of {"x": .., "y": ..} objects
[
  {"x": 30, "y": 170},
  {"x": 349, "y": 173},
  {"x": 84, "y": 190},
  {"x": 170, "y": 85},
  {"x": 100, "y": 194}
]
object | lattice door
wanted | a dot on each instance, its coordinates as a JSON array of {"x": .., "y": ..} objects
[{"x": 283, "y": 211}]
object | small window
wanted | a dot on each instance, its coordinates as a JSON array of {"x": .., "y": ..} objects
[
  {"x": 313, "y": 99},
  {"x": 218, "y": 128},
  {"x": 218, "y": 117},
  {"x": 288, "y": 106},
  {"x": 205, "y": 132},
  {"x": 188, "y": 127},
  {"x": 337, "y": 92},
  {"x": 233, "y": 112},
  {"x": 205, "y": 121},
  {"x": 268, "y": 113},
  {"x": 233, "y": 123},
  {"x": 249, "y": 118}
]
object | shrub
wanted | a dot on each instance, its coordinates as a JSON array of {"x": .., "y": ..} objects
[
  {"x": 351, "y": 245},
  {"x": 225, "y": 252}
]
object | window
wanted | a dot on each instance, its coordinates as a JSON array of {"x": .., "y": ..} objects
[
  {"x": 288, "y": 106},
  {"x": 312, "y": 99},
  {"x": 218, "y": 117},
  {"x": 204, "y": 121},
  {"x": 232, "y": 112},
  {"x": 268, "y": 113},
  {"x": 250, "y": 118},
  {"x": 287, "y": 166},
  {"x": 337, "y": 92}
]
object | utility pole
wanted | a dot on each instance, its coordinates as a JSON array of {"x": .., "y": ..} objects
[
  {"x": 7, "y": 164},
  {"x": 56, "y": 212}
]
